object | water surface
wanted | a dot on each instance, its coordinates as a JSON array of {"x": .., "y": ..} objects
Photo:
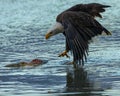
[{"x": 23, "y": 25}]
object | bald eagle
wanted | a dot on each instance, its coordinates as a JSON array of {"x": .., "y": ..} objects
[{"x": 78, "y": 24}]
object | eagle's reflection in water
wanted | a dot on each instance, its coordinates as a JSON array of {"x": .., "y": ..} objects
[
  {"x": 78, "y": 84},
  {"x": 78, "y": 80}
]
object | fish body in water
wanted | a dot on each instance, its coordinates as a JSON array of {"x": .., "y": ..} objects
[{"x": 34, "y": 62}]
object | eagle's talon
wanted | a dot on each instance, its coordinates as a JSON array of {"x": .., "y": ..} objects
[{"x": 64, "y": 54}]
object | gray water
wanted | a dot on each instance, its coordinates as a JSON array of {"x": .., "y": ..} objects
[{"x": 23, "y": 24}]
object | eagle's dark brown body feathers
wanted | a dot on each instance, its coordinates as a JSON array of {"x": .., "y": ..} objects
[{"x": 79, "y": 29}]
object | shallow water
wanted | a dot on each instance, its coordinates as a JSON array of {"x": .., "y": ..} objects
[{"x": 23, "y": 25}]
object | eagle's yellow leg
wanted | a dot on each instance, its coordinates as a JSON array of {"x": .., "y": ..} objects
[{"x": 64, "y": 53}]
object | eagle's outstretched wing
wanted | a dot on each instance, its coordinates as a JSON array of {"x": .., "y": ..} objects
[
  {"x": 93, "y": 9},
  {"x": 79, "y": 29}
]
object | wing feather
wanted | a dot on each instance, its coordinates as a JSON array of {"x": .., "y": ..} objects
[
  {"x": 79, "y": 29},
  {"x": 93, "y": 9},
  {"x": 76, "y": 44}
]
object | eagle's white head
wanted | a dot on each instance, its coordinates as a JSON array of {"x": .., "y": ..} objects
[{"x": 57, "y": 28}]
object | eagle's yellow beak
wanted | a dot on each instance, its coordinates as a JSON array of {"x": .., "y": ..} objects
[{"x": 48, "y": 35}]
